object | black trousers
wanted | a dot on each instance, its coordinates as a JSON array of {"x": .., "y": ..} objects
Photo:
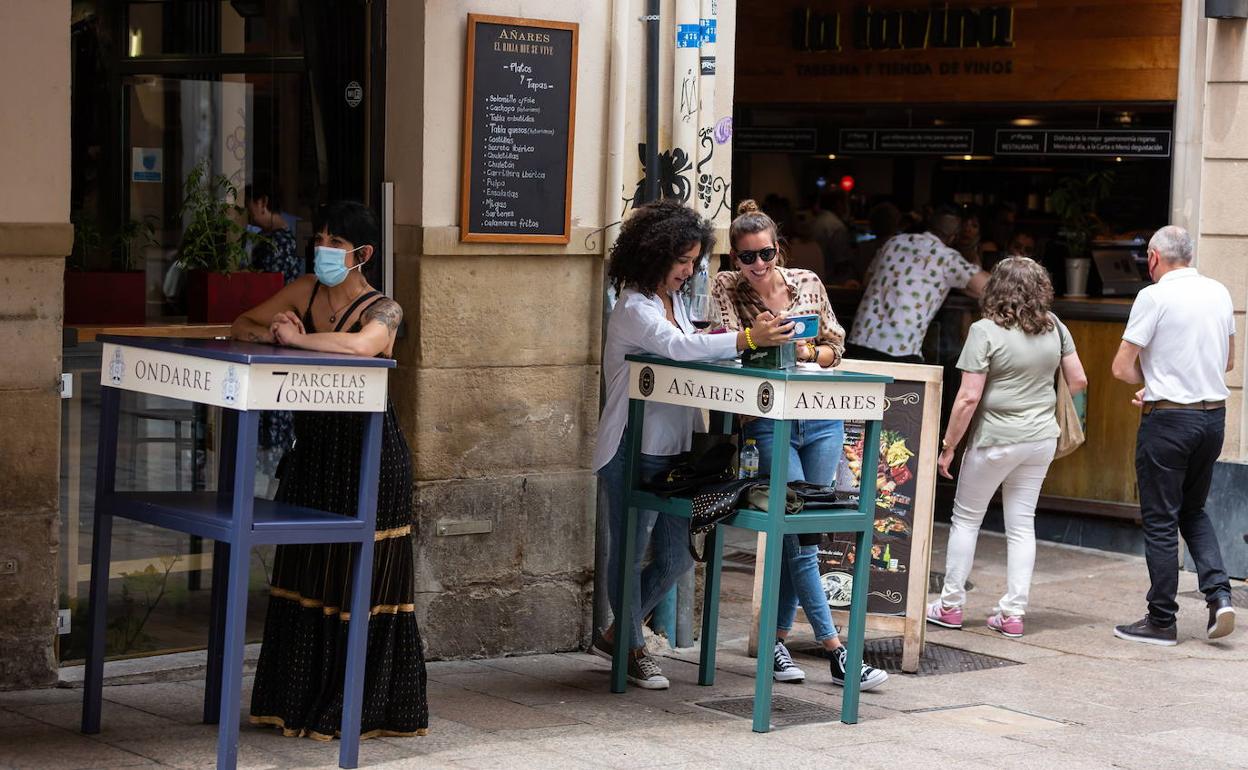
[{"x": 1174, "y": 457}]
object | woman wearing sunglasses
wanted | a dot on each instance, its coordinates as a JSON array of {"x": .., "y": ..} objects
[
  {"x": 656, "y": 253},
  {"x": 761, "y": 287}
]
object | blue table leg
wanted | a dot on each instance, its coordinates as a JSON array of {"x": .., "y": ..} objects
[
  {"x": 216, "y": 631},
  {"x": 361, "y": 593},
  {"x": 227, "y": 449},
  {"x": 628, "y": 551},
  {"x": 236, "y": 589},
  {"x": 862, "y": 574},
  {"x": 710, "y": 607},
  {"x": 101, "y": 549},
  {"x": 771, "y": 560}
]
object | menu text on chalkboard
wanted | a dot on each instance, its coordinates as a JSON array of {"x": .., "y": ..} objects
[{"x": 519, "y": 121}]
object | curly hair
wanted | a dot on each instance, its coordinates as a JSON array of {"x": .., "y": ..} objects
[
  {"x": 651, "y": 240},
  {"x": 1019, "y": 294}
]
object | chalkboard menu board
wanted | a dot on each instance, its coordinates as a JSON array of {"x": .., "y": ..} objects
[{"x": 519, "y": 119}]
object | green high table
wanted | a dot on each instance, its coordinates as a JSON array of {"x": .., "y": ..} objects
[{"x": 784, "y": 396}]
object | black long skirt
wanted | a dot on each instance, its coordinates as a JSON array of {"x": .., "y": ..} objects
[{"x": 299, "y": 677}]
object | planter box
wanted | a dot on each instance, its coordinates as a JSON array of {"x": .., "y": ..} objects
[
  {"x": 221, "y": 297},
  {"x": 105, "y": 298}
]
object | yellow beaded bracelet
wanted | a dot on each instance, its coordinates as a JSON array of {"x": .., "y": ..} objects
[{"x": 750, "y": 340}]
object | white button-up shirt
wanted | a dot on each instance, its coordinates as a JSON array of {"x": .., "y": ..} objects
[
  {"x": 639, "y": 325},
  {"x": 1184, "y": 324}
]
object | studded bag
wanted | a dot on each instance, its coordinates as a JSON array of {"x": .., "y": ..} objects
[{"x": 713, "y": 504}]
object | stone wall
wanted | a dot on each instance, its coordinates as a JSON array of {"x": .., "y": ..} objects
[
  {"x": 34, "y": 238},
  {"x": 1222, "y": 250},
  {"x": 501, "y": 423}
]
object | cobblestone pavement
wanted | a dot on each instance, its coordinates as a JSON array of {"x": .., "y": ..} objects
[{"x": 1079, "y": 699}]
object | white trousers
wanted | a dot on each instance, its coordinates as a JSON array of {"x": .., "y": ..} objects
[{"x": 1019, "y": 470}]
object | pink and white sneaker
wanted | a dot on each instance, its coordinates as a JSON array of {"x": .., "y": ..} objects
[
  {"x": 949, "y": 617},
  {"x": 1006, "y": 625}
]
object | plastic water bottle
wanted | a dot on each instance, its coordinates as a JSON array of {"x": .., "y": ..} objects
[
  {"x": 700, "y": 311},
  {"x": 749, "y": 460}
]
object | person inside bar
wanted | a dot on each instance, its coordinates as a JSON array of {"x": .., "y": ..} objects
[
  {"x": 761, "y": 287},
  {"x": 298, "y": 684},
  {"x": 910, "y": 280},
  {"x": 276, "y": 252},
  {"x": 656, "y": 252}
]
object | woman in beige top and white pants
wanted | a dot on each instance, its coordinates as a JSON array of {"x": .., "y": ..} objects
[{"x": 1006, "y": 403}]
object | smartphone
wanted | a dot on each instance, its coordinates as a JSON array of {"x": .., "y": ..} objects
[{"x": 805, "y": 327}]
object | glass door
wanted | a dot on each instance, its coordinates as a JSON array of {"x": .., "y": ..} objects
[{"x": 278, "y": 100}]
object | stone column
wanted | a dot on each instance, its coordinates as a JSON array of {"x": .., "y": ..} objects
[
  {"x": 1222, "y": 248},
  {"x": 35, "y": 237},
  {"x": 498, "y": 373}
]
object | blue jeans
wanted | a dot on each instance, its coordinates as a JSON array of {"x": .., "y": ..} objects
[
  {"x": 815, "y": 448},
  {"x": 667, "y": 535}
]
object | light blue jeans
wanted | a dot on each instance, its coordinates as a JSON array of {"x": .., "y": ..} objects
[
  {"x": 668, "y": 537},
  {"x": 815, "y": 448}
]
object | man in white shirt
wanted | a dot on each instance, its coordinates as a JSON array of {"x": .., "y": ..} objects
[
  {"x": 1178, "y": 344},
  {"x": 909, "y": 281}
]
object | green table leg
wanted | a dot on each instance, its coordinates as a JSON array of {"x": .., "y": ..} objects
[
  {"x": 771, "y": 561},
  {"x": 710, "y": 607},
  {"x": 862, "y": 574},
  {"x": 628, "y": 551}
]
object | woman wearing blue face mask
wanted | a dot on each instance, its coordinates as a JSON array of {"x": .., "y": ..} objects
[{"x": 297, "y": 687}]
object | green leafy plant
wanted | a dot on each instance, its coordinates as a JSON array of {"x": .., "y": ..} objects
[
  {"x": 140, "y": 232},
  {"x": 93, "y": 249},
  {"x": 1075, "y": 201},
  {"x": 215, "y": 239}
]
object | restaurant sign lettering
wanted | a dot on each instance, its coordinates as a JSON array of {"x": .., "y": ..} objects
[
  {"x": 1085, "y": 143},
  {"x": 815, "y": 399},
  {"x": 871, "y": 28},
  {"x": 238, "y": 386}
]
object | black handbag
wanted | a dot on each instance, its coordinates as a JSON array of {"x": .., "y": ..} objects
[
  {"x": 713, "y": 504},
  {"x": 818, "y": 496},
  {"x": 714, "y": 466}
]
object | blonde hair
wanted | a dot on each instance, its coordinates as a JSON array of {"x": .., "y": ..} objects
[{"x": 750, "y": 220}]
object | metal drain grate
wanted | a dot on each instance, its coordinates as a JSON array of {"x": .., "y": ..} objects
[
  {"x": 1239, "y": 596},
  {"x": 937, "y": 658},
  {"x": 785, "y": 711}
]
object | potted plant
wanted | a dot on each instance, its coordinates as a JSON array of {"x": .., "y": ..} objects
[
  {"x": 116, "y": 294},
  {"x": 213, "y": 253},
  {"x": 1075, "y": 201}
]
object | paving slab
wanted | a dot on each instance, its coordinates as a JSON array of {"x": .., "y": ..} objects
[{"x": 1078, "y": 698}]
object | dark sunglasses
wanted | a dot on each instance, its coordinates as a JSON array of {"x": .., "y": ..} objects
[{"x": 766, "y": 254}]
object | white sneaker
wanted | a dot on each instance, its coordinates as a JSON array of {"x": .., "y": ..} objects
[{"x": 785, "y": 670}]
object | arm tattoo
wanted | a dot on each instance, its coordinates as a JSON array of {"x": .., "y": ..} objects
[{"x": 386, "y": 312}]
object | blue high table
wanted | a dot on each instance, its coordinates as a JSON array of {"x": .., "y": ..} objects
[
  {"x": 244, "y": 379},
  {"x": 785, "y": 395}
]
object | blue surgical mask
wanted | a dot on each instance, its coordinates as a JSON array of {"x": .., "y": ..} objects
[{"x": 330, "y": 264}]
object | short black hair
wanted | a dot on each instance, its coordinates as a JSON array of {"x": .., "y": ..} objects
[
  {"x": 263, "y": 187},
  {"x": 349, "y": 220},
  {"x": 651, "y": 239}
]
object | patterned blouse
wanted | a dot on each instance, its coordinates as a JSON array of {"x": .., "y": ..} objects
[
  {"x": 738, "y": 301},
  {"x": 912, "y": 276},
  {"x": 279, "y": 255}
]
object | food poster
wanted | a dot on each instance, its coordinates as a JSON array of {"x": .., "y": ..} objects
[{"x": 895, "y": 479}]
